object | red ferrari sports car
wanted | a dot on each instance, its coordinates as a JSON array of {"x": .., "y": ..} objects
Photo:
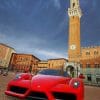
[{"x": 46, "y": 85}]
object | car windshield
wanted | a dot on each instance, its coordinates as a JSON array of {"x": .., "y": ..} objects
[{"x": 53, "y": 72}]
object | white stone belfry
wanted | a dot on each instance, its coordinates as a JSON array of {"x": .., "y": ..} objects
[
  {"x": 74, "y": 3},
  {"x": 74, "y": 9}
]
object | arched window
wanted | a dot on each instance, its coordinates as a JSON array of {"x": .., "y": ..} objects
[
  {"x": 88, "y": 53},
  {"x": 88, "y": 65},
  {"x": 97, "y": 65},
  {"x": 96, "y": 52},
  {"x": 73, "y": 5},
  {"x": 81, "y": 65}
]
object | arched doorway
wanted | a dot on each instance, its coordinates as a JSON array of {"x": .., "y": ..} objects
[{"x": 71, "y": 70}]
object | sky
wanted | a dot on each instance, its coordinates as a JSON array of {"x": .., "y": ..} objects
[{"x": 40, "y": 27}]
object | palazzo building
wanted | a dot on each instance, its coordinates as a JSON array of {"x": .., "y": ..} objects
[
  {"x": 42, "y": 65},
  {"x": 57, "y": 63},
  {"x": 5, "y": 55},
  {"x": 23, "y": 62}
]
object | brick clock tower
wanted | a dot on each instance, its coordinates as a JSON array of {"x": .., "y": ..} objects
[{"x": 74, "y": 48}]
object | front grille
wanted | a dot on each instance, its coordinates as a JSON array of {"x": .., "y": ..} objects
[
  {"x": 64, "y": 96},
  {"x": 37, "y": 96},
  {"x": 17, "y": 89}
]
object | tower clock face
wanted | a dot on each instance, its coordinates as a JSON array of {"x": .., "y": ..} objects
[{"x": 72, "y": 47}]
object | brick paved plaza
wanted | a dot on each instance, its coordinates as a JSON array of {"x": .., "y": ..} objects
[{"x": 91, "y": 93}]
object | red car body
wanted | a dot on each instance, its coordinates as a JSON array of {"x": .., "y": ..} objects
[{"x": 46, "y": 87}]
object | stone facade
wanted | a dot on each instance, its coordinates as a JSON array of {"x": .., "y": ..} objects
[
  {"x": 56, "y": 63},
  {"x": 24, "y": 62},
  {"x": 43, "y": 65},
  {"x": 5, "y": 55},
  {"x": 52, "y": 64},
  {"x": 88, "y": 53}
]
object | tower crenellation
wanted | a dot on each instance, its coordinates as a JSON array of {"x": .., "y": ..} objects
[{"x": 74, "y": 9}]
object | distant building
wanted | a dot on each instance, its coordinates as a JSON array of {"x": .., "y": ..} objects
[
  {"x": 42, "y": 65},
  {"x": 52, "y": 64},
  {"x": 5, "y": 55},
  {"x": 24, "y": 62},
  {"x": 56, "y": 63}
]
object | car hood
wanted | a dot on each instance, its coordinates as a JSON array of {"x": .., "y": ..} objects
[{"x": 46, "y": 81}]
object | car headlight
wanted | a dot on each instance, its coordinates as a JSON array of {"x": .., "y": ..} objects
[{"x": 76, "y": 84}]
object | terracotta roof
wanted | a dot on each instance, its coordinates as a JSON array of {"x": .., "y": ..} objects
[
  {"x": 27, "y": 54},
  {"x": 58, "y": 59},
  {"x": 6, "y": 45},
  {"x": 90, "y": 47}
]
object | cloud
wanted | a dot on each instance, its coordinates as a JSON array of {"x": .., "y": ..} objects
[
  {"x": 49, "y": 54},
  {"x": 57, "y": 4}
]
